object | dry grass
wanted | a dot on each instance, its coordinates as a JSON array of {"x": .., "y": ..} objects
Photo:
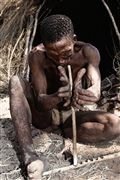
[
  {"x": 16, "y": 36},
  {"x": 15, "y": 15}
]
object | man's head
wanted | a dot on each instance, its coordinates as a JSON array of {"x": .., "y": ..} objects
[
  {"x": 55, "y": 27},
  {"x": 57, "y": 35}
]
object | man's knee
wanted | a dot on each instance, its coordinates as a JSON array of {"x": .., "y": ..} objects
[
  {"x": 15, "y": 86},
  {"x": 113, "y": 124}
]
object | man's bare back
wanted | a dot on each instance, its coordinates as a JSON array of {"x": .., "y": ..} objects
[{"x": 49, "y": 89}]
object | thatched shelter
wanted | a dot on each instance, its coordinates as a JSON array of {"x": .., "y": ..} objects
[
  {"x": 19, "y": 32},
  {"x": 18, "y": 23}
]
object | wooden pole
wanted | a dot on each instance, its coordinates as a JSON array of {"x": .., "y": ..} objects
[{"x": 73, "y": 121}]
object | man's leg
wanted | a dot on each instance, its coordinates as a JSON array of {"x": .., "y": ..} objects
[
  {"x": 94, "y": 126},
  {"x": 21, "y": 116}
]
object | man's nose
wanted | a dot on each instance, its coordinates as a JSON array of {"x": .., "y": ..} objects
[
  {"x": 64, "y": 60},
  {"x": 61, "y": 60}
]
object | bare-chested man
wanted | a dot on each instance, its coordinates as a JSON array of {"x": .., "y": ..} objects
[{"x": 49, "y": 89}]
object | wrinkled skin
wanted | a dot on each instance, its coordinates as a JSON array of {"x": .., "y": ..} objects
[{"x": 50, "y": 88}]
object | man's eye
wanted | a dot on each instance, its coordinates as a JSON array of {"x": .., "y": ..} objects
[
  {"x": 67, "y": 57},
  {"x": 70, "y": 55}
]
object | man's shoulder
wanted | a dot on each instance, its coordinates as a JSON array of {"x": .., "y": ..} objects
[
  {"x": 37, "y": 54},
  {"x": 91, "y": 52},
  {"x": 39, "y": 49},
  {"x": 85, "y": 46}
]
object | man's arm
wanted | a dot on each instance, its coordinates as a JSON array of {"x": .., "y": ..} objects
[
  {"x": 92, "y": 93},
  {"x": 93, "y": 73},
  {"x": 44, "y": 101}
]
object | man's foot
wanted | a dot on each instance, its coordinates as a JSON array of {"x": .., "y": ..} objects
[{"x": 35, "y": 169}]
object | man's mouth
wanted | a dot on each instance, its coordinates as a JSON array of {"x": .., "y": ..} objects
[{"x": 65, "y": 62}]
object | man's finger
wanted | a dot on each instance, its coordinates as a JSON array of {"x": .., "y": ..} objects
[
  {"x": 76, "y": 105},
  {"x": 65, "y": 94},
  {"x": 83, "y": 102},
  {"x": 79, "y": 76},
  {"x": 85, "y": 92},
  {"x": 67, "y": 103},
  {"x": 64, "y": 80},
  {"x": 87, "y": 98},
  {"x": 64, "y": 89},
  {"x": 62, "y": 71}
]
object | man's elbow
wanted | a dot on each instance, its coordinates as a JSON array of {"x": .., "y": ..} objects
[{"x": 98, "y": 97}]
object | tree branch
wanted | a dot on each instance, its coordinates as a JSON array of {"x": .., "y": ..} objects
[{"x": 112, "y": 19}]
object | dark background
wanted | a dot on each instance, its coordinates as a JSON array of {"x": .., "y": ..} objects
[{"x": 93, "y": 25}]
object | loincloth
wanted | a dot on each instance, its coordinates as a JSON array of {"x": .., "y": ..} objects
[
  {"x": 62, "y": 119},
  {"x": 60, "y": 116}
]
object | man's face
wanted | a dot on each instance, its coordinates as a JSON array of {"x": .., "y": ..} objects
[{"x": 60, "y": 52}]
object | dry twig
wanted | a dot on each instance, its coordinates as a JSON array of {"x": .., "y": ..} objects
[
  {"x": 11, "y": 56},
  {"x": 73, "y": 121},
  {"x": 26, "y": 51},
  {"x": 33, "y": 35},
  {"x": 112, "y": 19}
]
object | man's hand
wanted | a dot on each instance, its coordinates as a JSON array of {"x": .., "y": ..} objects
[
  {"x": 82, "y": 96},
  {"x": 64, "y": 91}
]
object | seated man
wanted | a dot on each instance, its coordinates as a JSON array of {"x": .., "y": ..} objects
[{"x": 50, "y": 89}]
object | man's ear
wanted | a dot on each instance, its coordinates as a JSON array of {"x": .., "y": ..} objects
[{"x": 74, "y": 37}]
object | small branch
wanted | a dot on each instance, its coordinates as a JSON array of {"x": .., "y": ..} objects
[
  {"x": 12, "y": 172},
  {"x": 35, "y": 25},
  {"x": 29, "y": 29},
  {"x": 79, "y": 165},
  {"x": 33, "y": 34},
  {"x": 12, "y": 53},
  {"x": 74, "y": 136},
  {"x": 73, "y": 120},
  {"x": 70, "y": 77},
  {"x": 112, "y": 19}
]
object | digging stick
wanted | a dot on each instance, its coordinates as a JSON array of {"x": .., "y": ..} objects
[{"x": 73, "y": 120}]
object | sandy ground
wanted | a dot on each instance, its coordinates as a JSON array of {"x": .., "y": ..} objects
[{"x": 49, "y": 145}]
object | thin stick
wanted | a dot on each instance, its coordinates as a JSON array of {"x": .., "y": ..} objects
[
  {"x": 70, "y": 77},
  {"x": 12, "y": 53},
  {"x": 33, "y": 34},
  {"x": 28, "y": 33},
  {"x": 79, "y": 165},
  {"x": 112, "y": 19},
  {"x": 73, "y": 121}
]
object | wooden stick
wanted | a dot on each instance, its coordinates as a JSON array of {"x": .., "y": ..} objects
[
  {"x": 81, "y": 164},
  {"x": 28, "y": 33},
  {"x": 73, "y": 121},
  {"x": 112, "y": 19},
  {"x": 70, "y": 77},
  {"x": 12, "y": 54},
  {"x": 33, "y": 35}
]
